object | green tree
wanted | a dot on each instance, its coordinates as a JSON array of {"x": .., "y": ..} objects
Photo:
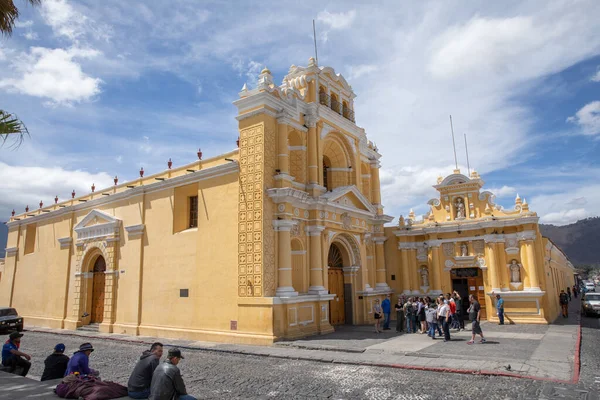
[{"x": 11, "y": 128}]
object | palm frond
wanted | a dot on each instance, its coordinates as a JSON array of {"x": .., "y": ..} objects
[
  {"x": 12, "y": 129},
  {"x": 9, "y": 13}
]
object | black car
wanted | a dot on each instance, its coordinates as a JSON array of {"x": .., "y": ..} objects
[{"x": 10, "y": 320}]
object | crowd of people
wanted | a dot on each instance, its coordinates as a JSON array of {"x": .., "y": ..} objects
[
  {"x": 150, "y": 379},
  {"x": 431, "y": 315}
]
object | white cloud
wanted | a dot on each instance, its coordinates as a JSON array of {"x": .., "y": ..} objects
[
  {"x": 503, "y": 191},
  {"x": 66, "y": 21},
  {"x": 337, "y": 20},
  {"x": 356, "y": 71},
  {"x": 564, "y": 217},
  {"x": 31, "y": 36},
  {"x": 25, "y": 185},
  {"x": 145, "y": 146},
  {"x": 53, "y": 74},
  {"x": 588, "y": 118},
  {"x": 24, "y": 24},
  {"x": 199, "y": 88},
  {"x": 334, "y": 21},
  {"x": 596, "y": 76}
]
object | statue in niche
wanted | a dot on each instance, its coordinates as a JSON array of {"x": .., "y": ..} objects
[
  {"x": 424, "y": 276},
  {"x": 460, "y": 208},
  {"x": 515, "y": 271},
  {"x": 401, "y": 221},
  {"x": 464, "y": 250}
]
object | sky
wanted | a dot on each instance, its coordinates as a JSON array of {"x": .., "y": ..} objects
[{"x": 108, "y": 87}]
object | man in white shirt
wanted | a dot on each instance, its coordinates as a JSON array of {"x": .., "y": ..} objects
[{"x": 444, "y": 313}]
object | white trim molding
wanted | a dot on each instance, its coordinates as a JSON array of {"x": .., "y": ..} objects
[
  {"x": 65, "y": 242},
  {"x": 135, "y": 231},
  {"x": 109, "y": 226},
  {"x": 284, "y": 224},
  {"x": 11, "y": 251}
]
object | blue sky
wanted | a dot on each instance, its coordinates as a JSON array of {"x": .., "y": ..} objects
[{"x": 108, "y": 87}]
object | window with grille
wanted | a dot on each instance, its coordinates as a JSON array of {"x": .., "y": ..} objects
[{"x": 193, "y": 212}]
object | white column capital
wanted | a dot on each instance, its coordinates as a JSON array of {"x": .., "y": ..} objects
[
  {"x": 379, "y": 239},
  {"x": 314, "y": 230},
  {"x": 434, "y": 243},
  {"x": 526, "y": 235},
  {"x": 11, "y": 251},
  {"x": 283, "y": 224},
  {"x": 407, "y": 246}
]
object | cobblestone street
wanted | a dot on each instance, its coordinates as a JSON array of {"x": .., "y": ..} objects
[{"x": 211, "y": 375}]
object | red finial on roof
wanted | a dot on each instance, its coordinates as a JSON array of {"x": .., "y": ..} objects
[
  {"x": 142, "y": 172},
  {"x": 27, "y": 209},
  {"x": 116, "y": 180},
  {"x": 199, "y": 154},
  {"x": 237, "y": 142},
  {"x": 93, "y": 187},
  {"x": 169, "y": 163},
  {"x": 41, "y": 204},
  {"x": 56, "y": 200},
  {"x": 73, "y": 194},
  {"x": 13, "y": 212}
]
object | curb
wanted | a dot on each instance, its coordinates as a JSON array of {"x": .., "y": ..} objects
[
  {"x": 577, "y": 361},
  {"x": 575, "y": 378}
]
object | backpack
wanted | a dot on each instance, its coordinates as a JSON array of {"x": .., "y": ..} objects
[
  {"x": 410, "y": 310},
  {"x": 564, "y": 299}
]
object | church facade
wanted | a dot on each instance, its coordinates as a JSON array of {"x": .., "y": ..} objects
[{"x": 283, "y": 237}]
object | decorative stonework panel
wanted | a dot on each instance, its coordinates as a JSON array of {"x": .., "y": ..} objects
[
  {"x": 448, "y": 249},
  {"x": 479, "y": 247},
  {"x": 253, "y": 238},
  {"x": 270, "y": 164}
]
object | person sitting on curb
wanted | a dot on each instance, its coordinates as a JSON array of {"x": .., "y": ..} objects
[
  {"x": 138, "y": 386},
  {"x": 167, "y": 382},
  {"x": 12, "y": 357},
  {"x": 79, "y": 363},
  {"x": 55, "y": 364}
]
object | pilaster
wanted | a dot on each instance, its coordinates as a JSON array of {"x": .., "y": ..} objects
[
  {"x": 316, "y": 265},
  {"x": 380, "y": 272},
  {"x": 284, "y": 258}
]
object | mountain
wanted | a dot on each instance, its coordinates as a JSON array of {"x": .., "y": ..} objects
[
  {"x": 579, "y": 241},
  {"x": 3, "y": 237}
]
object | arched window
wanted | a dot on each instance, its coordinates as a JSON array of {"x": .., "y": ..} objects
[
  {"x": 323, "y": 96},
  {"x": 326, "y": 166},
  {"x": 335, "y": 104}
]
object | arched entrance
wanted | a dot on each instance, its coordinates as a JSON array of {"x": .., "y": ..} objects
[
  {"x": 335, "y": 264},
  {"x": 98, "y": 285}
]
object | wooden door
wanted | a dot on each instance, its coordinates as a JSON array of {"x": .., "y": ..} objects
[
  {"x": 337, "y": 314},
  {"x": 97, "y": 314},
  {"x": 477, "y": 289}
]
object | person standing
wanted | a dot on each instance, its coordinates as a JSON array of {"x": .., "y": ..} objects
[
  {"x": 386, "y": 306},
  {"x": 575, "y": 291},
  {"x": 431, "y": 316},
  {"x": 399, "y": 314},
  {"x": 409, "y": 314},
  {"x": 500, "y": 309},
  {"x": 569, "y": 292},
  {"x": 79, "y": 363},
  {"x": 475, "y": 317},
  {"x": 444, "y": 313},
  {"x": 138, "y": 386},
  {"x": 167, "y": 382},
  {"x": 377, "y": 314},
  {"x": 459, "y": 310},
  {"x": 12, "y": 357},
  {"x": 55, "y": 364},
  {"x": 564, "y": 303}
]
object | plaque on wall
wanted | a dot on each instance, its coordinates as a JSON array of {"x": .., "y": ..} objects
[{"x": 471, "y": 288}]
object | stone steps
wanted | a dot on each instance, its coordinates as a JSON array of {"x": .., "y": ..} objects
[{"x": 90, "y": 328}]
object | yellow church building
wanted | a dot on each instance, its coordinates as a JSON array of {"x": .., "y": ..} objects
[{"x": 283, "y": 237}]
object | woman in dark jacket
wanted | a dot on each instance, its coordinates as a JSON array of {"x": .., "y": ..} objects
[{"x": 55, "y": 364}]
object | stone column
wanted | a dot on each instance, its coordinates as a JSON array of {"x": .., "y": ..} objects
[
  {"x": 313, "y": 159},
  {"x": 316, "y": 262},
  {"x": 531, "y": 267},
  {"x": 492, "y": 271},
  {"x": 283, "y": 153},
  {"x": 503, "y": 276},
  {"x": 402, "y": 246},
  {"x": 525, "y": 264},
  {"x": 375, "y": 185},
  {"x": 285, "y": 287},
  {"x": 435, "y": 269},
  {"x": 380, "y": 272}
]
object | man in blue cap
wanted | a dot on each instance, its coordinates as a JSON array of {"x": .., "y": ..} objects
[
  {"x": 12, "y": 357},
  {"x": 79, "y": 363},
  {"x": 55, "y": 364}
]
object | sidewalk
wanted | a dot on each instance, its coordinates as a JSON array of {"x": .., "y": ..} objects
[{"x": 548, "y": 352}]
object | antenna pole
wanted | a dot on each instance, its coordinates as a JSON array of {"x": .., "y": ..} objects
[
  {"x": 453, "y": 143},
  {"x": 467, "y": 150},
  {"x": 315, "y": 39}
]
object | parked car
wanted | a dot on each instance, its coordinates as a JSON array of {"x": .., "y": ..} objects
[
  {"x": 10, "y": 320},
  {"x": 590, "y": 304},
  {"x": 590, "y": 287}
]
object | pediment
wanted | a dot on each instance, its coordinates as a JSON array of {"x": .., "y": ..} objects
[
  {"x": 97, "y": 224},
  {"x": 349, "y": 196}
]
